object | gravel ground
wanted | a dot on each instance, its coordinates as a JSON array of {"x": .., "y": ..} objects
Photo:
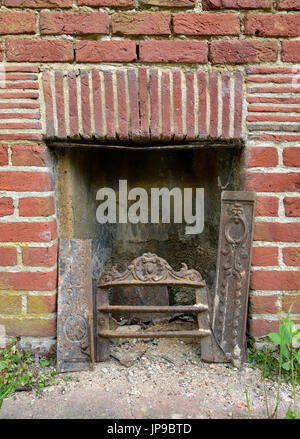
[{"x": 158, "y": 379}]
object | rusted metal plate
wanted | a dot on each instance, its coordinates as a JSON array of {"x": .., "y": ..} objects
[
  {"x": 157, "y": 295},
  {"x": 75, "y": 347},
  {"x": 233, "y": 274}
]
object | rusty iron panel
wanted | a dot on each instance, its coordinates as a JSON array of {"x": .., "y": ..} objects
[
  {"x": 233, "y": 274},
  {"x": 75, "y": 334}
]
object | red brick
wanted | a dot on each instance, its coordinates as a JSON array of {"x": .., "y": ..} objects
[
  {"x": 85, "y": 104},
  {"x": 177, "y": 104},
  {"x": 272, "y": 182},
  {"x": 133, "y": 104},
  {"x": 226, "y": 105},
  {"x": 266, "y": 206},
  {"x": 60, "y": 105},
  {"x": 25, "y": 181},
  {"x": 276, "y": 232},
  {"x": 41, "y": 304},
  {"x": 36, "y": 206},
  {"x": 143, "y": 103},
  {"x": 275, "y": 280},
  {"x": 292, "y": 206},
  {"x": 190, "y": 105},
  {"x": 49, "y": 105},
  {"x": 214, "y": 103},
  {"x": 30, "y": 327},
  {"x": 73, "y": 106},
  {"x": 264, "y": 256},
  {"x": 243, "y": 51},
  {"x": 272, "y": 25},
  {"x": 173, "y": 51},
  {"x": 170, "y": 3},
  {"x": 291, "y": 156},
  {"x": 3, "y": 155},
  {"x": 10, "y": 304},
  {"x": 290, "y": 257},
  {"x": 106, "y": 51},
  {"x": 206, "y": 24},
  {"x": 122, "y": 105},
  {"x": 38, "y": 50},
  {"x": 238, "y": 104},
  {"x": 262, "y": 327},
  {"x": 236, "y": 4},
  {"x": 294, "y": 301},
  {"x": 6, "y": 206},
  {"x": 17, "y": 23},
  {"x": 288, "y": 4},
  {"x": 154, "y": 104},
  {"x": 202, "y": 105},
  {"x": 141, "y": 23},
  {"x": 97, "y": 101},
  {"x": 262, "y": 156},
  {"x": 109, "y": 105},
  {"x": 39, "y": 3},
  {"x": 28, "y": 281},
  {"x": 73, "y": 23},
  {"x": 39, "y": 256},
  {"x": 263, "y": 304},
  {"x": 8, "y": 256},
  {"x": 28, "y": 232},
  {"x": 278, "y": 138},
  {"x": 107, "y": 3},
  {"x": 166, "y": 106},
  {"x": 290, "y": 51},
  {"x": 272, "y": 118},
  {"x": 29, "y": 155}
]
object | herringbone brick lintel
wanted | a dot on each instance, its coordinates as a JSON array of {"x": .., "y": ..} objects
[{"x": 143, "y": 104}]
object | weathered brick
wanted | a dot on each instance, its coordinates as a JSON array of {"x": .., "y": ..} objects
[
  {"x": 206, "y": 24},
  {"x": 291, "y": 156},
  {"x": 166, "y": 107},
  {"x": 25, "y": 181},
  {"x": 143, "y": 103},
  {"x": 10, "y": 304},
  {"x": 85, "y": 103},
  {"x": 97, "y": 101},
  {"x": 41, "y": 304},
  {"x": 264, "y": 256},
  {"x": 276, "y": 232},
  {"x": 170, "y": 3},
  {"x": 263, "y": 304},
  {"x": 3, "y": 155},
  {"x": 292, "y": 206},
  {"x": 154, "y": 104},
  {"x": 28, "y": 232},
  {"x": 38, "y": 50},
  {"x": 290, "y": 256},
  {"x": 28, "y": 280},
  {"x": 262, "y": 327},
  {"x": 243, "y": 51},
  {"x": 30, "y": 327},
  {"x": 272, "y": 182},
  {"x": 6, "y": 206},
  {"x": 173, "y": 51},
  {"x": 39, "y": 256},
  {"x": 29, "y": 155},
  {"x": 291, "y": 300},
  {"x": 272, "y": 25},
  {"x": 262, "y": 156},
  {"x": 266, "y": 206},
  {"x": 214, "y": 103},
  {"x": 109, "y": 104},
  {"x": 36, "y": 206},
  {"x": 275, "y": 280},
  {"x": 288, "y": 4},
  {"x": 141, "y": 23},
  {"x": 39, "y": 3},
  {"x": 106, "y": 51},
  {"x": 290, "y": 51},
  {"x": 17, "y": 23},
  {"x": 8, "y": 256},
  {"x": 74, "y": 23},
  {"x": 236, "y": 4},
  {"x": 107, "y": 3}
]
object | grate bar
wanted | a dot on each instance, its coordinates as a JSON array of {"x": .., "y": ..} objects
[
  {"x": 163, "y": 309},
  {"x": 148, "y": 334}
]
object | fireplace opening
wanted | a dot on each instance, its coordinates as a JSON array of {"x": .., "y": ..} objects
[{"x": 81, "y": 172}]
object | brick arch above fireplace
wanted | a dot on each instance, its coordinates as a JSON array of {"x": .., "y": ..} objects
[{"x": 142, "y": 105}]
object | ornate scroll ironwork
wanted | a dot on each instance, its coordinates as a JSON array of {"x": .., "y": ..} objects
[
  {"x": 75, "y": 306},
  {"x": 151, "y": 269},
  {"x": 233, "y": 272}
]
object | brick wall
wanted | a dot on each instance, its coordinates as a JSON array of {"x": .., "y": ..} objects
[{"x": 222, "y": 68}]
